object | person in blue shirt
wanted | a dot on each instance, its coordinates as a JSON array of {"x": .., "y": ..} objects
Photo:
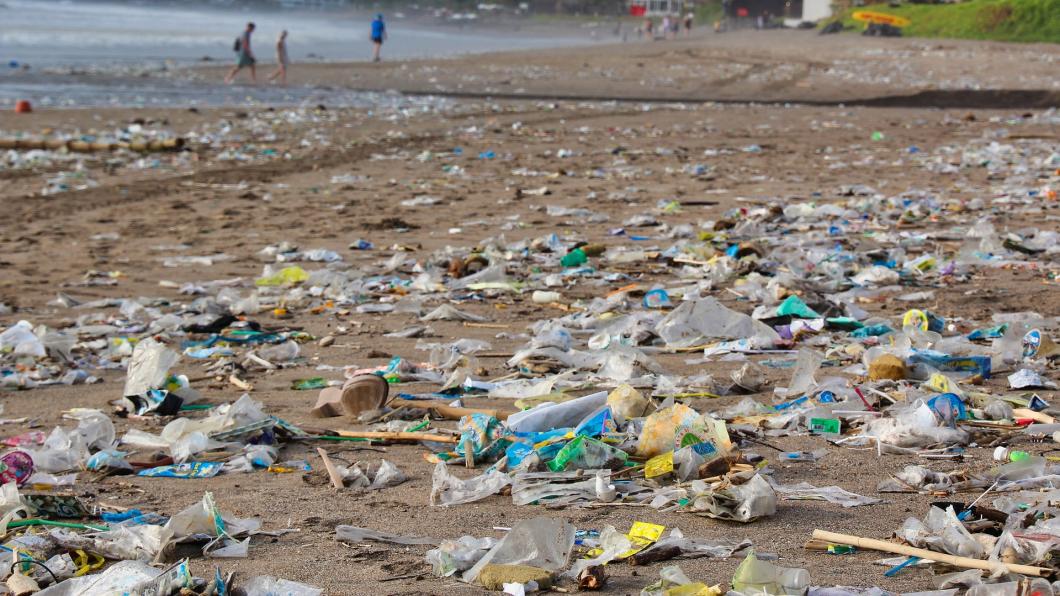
[{"x": 378, "y": 36}]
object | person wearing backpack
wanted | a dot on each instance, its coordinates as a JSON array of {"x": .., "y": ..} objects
[{"x": 244, "y": 56}]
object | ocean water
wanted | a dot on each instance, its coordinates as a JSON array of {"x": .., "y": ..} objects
[{"x": 45, "y": 45}]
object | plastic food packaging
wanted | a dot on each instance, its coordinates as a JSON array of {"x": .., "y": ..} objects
[
  {"x": 657, "y": 434},
  {"x": 586, "y": 453}
]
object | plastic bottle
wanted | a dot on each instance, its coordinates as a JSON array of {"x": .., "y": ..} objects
[
  {"x": 542, "y": 297},
  {"x": 1006, "y": 454}
]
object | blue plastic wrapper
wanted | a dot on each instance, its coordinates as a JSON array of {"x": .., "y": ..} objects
[
  {"x": 979, "y": 365},
  {"x": 191, "y": 469},
  {"x": 949, "y": 408}
]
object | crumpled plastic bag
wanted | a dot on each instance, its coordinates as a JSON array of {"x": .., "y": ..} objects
[
  {"x": 542, "y": 542},
  {"x": 266, "y": 584},
  {"x": 742, "y": 502},
  {"x": 613, "y": 544},
  {"x": 941, "y": 531},
  {"x": 755, "y": 576},
  {"x": 125, "y": 577},
  {"x": 695, "y": 322},
  {"x": 447, "y": 489},
  {"x": 913, "y": 426},
  {"x": 124, "y": 543},
  {"x": 672, "y": 580},
  {"x": 915, "y": 478},
  {"x": 461, "y": 554},
  {"x": 148, "y": 367},
  {"x": 22, "y": 341},
  {"x": 448, "y": 312},
  {"x": 204, "y": 522}
]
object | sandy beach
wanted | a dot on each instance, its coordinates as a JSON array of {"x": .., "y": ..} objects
[{"x": 323, "y": 177}]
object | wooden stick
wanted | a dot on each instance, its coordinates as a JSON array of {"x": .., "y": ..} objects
[
  {"x": 923, "y": 553},
  {"x": 397, "y": 436},
  {"x": 1041, "y": 417},
  {"x": 333, "y": 473},
  {"x": 240, "y": 383},
  {"x": 444, "y": 410},
  {"x": 469, "y": 453}
]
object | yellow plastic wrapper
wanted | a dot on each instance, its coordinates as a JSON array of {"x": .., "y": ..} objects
[
  {"x": 641, "y": 535},
  {"x": 942, "y": 384},
  {"x": 660, "y": 465},
  {"x": 696, "y": 589},
  {"x": 284, "y": 277}
]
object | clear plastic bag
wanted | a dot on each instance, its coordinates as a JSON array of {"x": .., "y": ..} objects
[
  {"x": 266, "y": 585},
  {"x": 452, "y": 556},
  {"x": 541, "y": 542},
  {"x": 285, "y": 352},
  {"x": 755, "y": 576},
  {"x": 447, "y": 489},
  {"x": 696, "y": 321},
  {"x": 20, "y": 339},
  {"x": 149, "y": 367},
  {"x": 387, "y": 475},
  {"x": 613, "y": 544}
]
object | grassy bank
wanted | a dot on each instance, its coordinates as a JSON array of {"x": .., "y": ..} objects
[{"x": 1000, "y": 20}]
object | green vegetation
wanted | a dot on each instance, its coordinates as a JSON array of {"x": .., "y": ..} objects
[
  {"x": 999, "y": 20},
  {"x": 708, "y": 12}
]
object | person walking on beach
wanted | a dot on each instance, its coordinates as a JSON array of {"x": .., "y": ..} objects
[
  {"x": 378, "y": 36},
  {"x": 282, "y": 60},
  {"x": 244, "y": 56},
  {"x": 665, "y": 27},
  {"x": 689, "y": 19}
]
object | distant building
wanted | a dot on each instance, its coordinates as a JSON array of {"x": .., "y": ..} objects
[
  {"x": 792, "y": 11},
  {"x": 656, "y": 8}
]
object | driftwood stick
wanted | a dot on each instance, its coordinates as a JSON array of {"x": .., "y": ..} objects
[
  {"x": 923, "y": 553},
  {"x": 397, "y": 436}
]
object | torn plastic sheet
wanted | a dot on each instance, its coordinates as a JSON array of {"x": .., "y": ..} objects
[
  {"x": 804, "y": 491},
  {"x": 447, "y": 489}
]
